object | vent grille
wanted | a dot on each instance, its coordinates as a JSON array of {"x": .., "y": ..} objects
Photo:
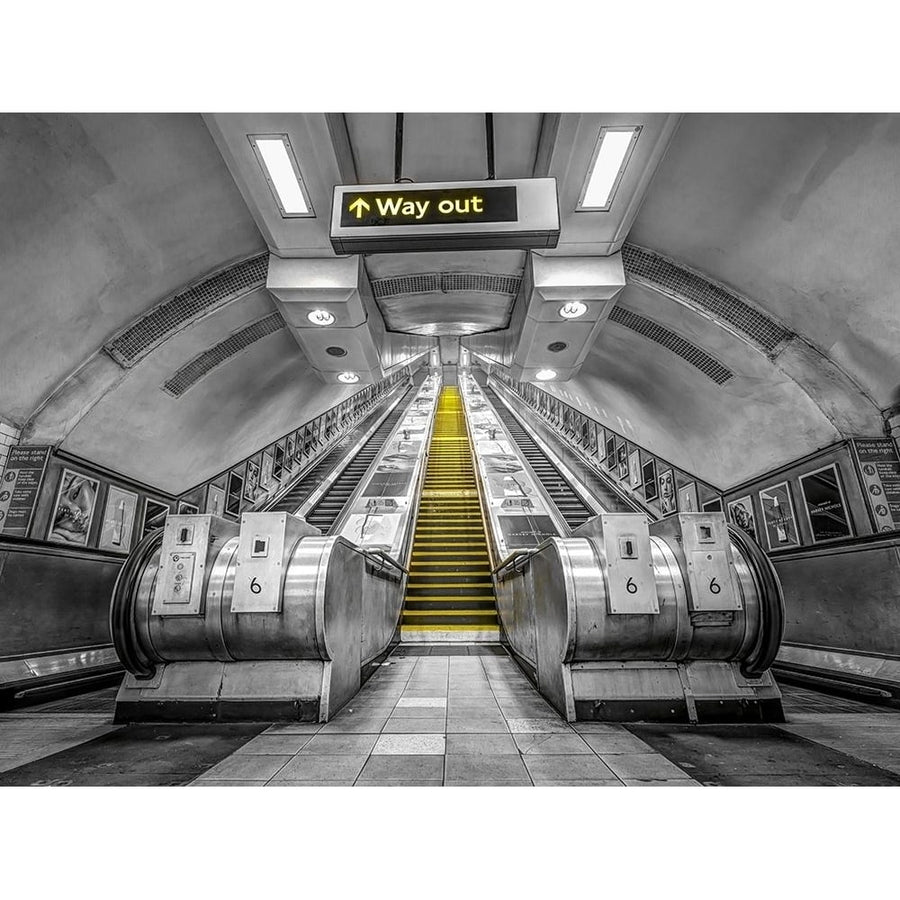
[
  {"x": 713, "y": 298},
  {"x": 689, "y": 352},
  {"x": 173, "y": 314},
  {"x": 446, "y": 283},
  {"x": 188, "y": 375}
]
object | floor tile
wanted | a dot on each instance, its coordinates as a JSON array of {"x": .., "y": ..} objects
[
  {"x": 661, "y": 782},
  {"x": 557, "y": 744},
  {"x": 481, "y": 744},
  {"x": 406, "y": 769},
  {"x": 574, "y": 769},
  {"x": 483, "y": 770},
  {"x": 294, "y": 728},
  {"x": 537, "y": 726},
  {"x": 421, "y": 725},
  {"x": 219, "y": 782},
  {"x": 340, "y": 744},
  {"x": 422, "y": 702},
  {"x": 643, "y": 765},
  {"x": 409, "y": 744},
  {"x": 368, "y": 724},
  {"x": 598, "y": 728},
  {"x": 322, "y": 769},
  {"x": 276, "y": 744},
  {"x": 621, "y": 742},
  {"x": 476, "y": 725},
  {"x": 246, "y": 767}
]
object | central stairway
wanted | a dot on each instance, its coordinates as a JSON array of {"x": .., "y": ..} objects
[{"x": 449, "y": 593}]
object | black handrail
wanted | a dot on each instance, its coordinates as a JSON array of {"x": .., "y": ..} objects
[
  {"x": 121, "y": 609},
  {"x": 771, "y": 606}
]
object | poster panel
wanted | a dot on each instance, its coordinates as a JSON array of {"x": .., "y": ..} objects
[
  {"x": 778, "y": 517},
  {"x": 668, "y": 502},
  {"x": 73, "y": 510},
  {"x": 740, "y": 512},
  {"x": 154, "y": 516},
  {"x": 251, "y": 486},
  {"x": 233, "y": 494},
  {"x": 651, "y": 486},
  {"x": 187, "y": 509},
  {"x": 610, "y": 452},
  {"x": 215, "y": 500},
  {"x": 622, "y": 461},
  {"x": 20, "y": 487},
  {"x": 265, "y": 475},
  {"x": 634, "y": 469},
  {"x": 687, "y": 498},
  {"x": 826, "y": 508},
  {"x": 879, "y": 469},
  {"x": 713, "y": 505},
  {"x": 118, "y": 520}
]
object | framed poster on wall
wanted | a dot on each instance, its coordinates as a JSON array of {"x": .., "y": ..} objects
[
  {"x": 289, "y": 450},
  {"x": 779, "y": 521},
  {"x": 713, "y": 505},
  {"x": 610, "y": 452},
  {"x": 668, "y": 502},
  {"x": 215, "y": 500},
  {"x": 154, "y": 516},
  {"x": 634, "y": 469},
  {"x": 740, "y": 512},
  {"x": 251, "y": 487},
  {"x": 622, "y": 461},
  {"x": 233, "y": 494},
  {"x": 687, "y": 498},
  {"x": 825, "y": 505},
  {"x": 73, "y": 510},
  {"x": 187, "y": 509},
  {"x": 118, "y": 520},
  {"x": 265, "y": 475},
  {"x": 651, "y": 488}
]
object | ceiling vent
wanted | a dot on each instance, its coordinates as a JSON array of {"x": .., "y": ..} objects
[
  {"x": 446, "y": 283},
  {"x": 716, "y": 301},
  {"x": 179, "y": 311},
  {"x": 689, "y": 352},
  {"x": 188, "y": 375}
]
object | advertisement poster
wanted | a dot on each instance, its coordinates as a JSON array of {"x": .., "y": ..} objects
[
  {"x": 187, "y": 509},
  {"x": 610, "y": 452},
  {"x": 154, "y": 516},
  {"x": 19, "y": 489},
  {"x": 740, "y": 512},
  {"x": 118, "y": 520},
  {"x": 290, "y": 448},
  {"x": 651, "y": 488},
  {"x": 526, "y": 531},
  {"x": 687, "y": 498},
  {"x": 634, "y": 469},
  {"x": 233, "y": 494},
  {"x": 215, "y": 501},
  {"x": 880, "y": 470},
  {"x": 778, "y": 517},
  {"x": 278, "y": 465},
  {"x": 622, "y": 461},
  {"x": 667, "y": 501},
  {"x": 73, "y": 511},
  {"x": 826, "y": 509},
  {"x": 265, "y": 475},
  {"x": 713, "y": 505},
  {"x": 251, "y": 489}
]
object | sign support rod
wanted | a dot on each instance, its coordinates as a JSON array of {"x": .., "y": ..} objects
[
  {"x": 489, "y": 138},
  {"x": 398, "y": 148}
]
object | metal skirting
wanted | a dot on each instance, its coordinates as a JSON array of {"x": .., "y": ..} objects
[{"x": 19, "y": 673}]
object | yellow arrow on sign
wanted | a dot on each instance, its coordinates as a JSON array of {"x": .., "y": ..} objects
[{"x": 358, "y": 206}]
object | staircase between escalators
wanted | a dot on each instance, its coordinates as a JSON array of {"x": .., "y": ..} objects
[{"x": 449, "y": 594}]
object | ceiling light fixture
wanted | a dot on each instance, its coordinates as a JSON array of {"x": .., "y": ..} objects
[
  {"x": 573, "y": 309},
  {"x": 321, "y": 317},
  {"x": 545, "y": 375},
  {"x": 614, "y": 148},
  {"x": 279, "y": 165},
  {"x": 348, "y": 377}
]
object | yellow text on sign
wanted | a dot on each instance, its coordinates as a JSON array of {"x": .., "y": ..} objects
[{"x": 417, "y": 209}]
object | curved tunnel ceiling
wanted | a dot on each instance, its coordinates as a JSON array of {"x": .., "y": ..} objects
[{"x": 108, "y": 215}]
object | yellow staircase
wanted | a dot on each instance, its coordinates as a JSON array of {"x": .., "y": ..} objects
[{"x": 449, "y": 593}]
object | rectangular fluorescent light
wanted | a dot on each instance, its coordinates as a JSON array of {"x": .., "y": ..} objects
[
  {"x": 611, "y": 155},
  {"x": 279, "y": 165}
]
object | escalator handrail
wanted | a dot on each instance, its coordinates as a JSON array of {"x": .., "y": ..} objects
[
  {"x": 771, "y": 626},
  {"x": 121, "y": 609},
  {"x": 383, "y": 560}
]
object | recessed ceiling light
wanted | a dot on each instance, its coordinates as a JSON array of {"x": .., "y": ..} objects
[
  {"x": 611, "y": 155},
  {"x": 545, "y": 375},
  {"x": 348, "y": 377},
  {"x": 573, "y": 309},
  {"x": 279, "y": 165},
  {"x": 320, "y": 317}
]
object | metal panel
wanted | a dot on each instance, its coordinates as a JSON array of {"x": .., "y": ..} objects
[
  {"x": 629, "y": 572},
  {"x": 707, "y": 549}
]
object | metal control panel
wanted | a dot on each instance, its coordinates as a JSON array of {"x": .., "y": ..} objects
[
  {"x": 631, "y": 585},
  {"x": 266, "y": 542},
  {"x": 183, "y": 562},
  {"x": 703, "y": 542}
]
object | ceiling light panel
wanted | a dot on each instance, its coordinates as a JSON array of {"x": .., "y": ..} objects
[
  {"x": 281, "y": 170},
  {"x": 614, "y": 148}
]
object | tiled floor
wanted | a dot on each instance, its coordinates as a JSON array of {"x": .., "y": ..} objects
[{"x": 433, "y": 719}]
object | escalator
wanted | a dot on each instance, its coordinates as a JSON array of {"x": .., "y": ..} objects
[
  {"x": 449, "y": 594},
  {"x": 325, "y": 512},
  {"x": 560, "y": 492}
]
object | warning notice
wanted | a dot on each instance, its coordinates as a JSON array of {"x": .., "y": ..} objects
[
  {"x": 20, "y": 486},
  {"x": 879, "y": 467}
]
